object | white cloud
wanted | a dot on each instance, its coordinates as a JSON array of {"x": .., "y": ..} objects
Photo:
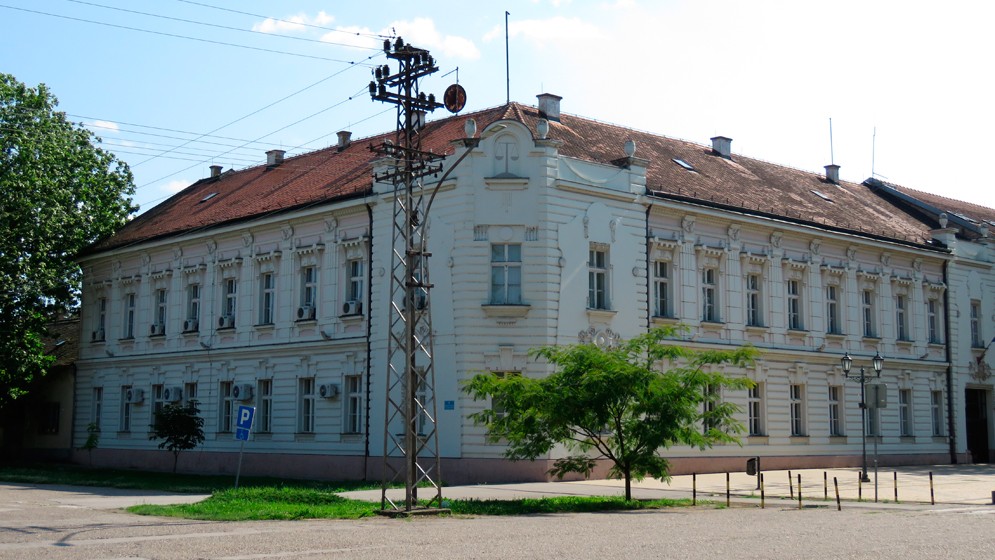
[
  {"x": 174, "y": 187},
  {"x": 542, "y": 31},
  {"x": 295, "y": 24},
  {"x": 423, "y": 33},
  {"x": 107, "y": 126}
]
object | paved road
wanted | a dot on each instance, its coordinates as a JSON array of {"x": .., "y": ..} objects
[{"x": 54, "y": 523}]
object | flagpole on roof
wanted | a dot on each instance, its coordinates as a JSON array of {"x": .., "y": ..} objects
[{"x": 507, "y": 63}]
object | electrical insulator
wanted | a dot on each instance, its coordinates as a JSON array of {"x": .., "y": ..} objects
[
  {"x": 431, "y": 100},
  {"x": 378, "y": 74},
  {"x": 383, "y": 90},
  {"x": 386, "y": 71},
  {"x": 386, "y": 45},
  {"x": 373, "y": 88},
  {"x": 398, "y": 44}
]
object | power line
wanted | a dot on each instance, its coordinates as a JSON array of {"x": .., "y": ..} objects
[
  {"x": 195, "y": 22},
  {"x": 355, "y": 33},
  {"x": 175, "y": 35},
  {"x": 198, "y": 134}
]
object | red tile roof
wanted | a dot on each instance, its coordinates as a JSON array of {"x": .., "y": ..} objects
[{"x": 328, "y": 175}]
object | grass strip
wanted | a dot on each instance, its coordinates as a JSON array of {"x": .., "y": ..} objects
[{"x": 559, "y": 504}]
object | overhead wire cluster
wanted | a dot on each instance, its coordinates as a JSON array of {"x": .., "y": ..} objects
[{"x": 148, "y": 142}]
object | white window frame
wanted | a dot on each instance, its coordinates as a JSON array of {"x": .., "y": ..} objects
[
  {"x": 190, "y": 393},
  {"x": 356, "y": 269},
  {"x": 161, "y": 307},
  {"x": 309, "y": 286},
  {"x": 754, "y": 300},
  {"x": 710, "y": 295},
  {"x": 129, "y": 316},
  {"x": 795, "y": 308},
  {"x": 101, "y": 317},
  {"x": 833, "y": 310},
  {"x": 126, "y": 412},
  {"x": 264, "y": 414},
  {"x": 796, "y": 401},
  {"x": 755, "y": 410},
  {"x": 905, "y": 412},
  {"x": 353, "y": 422},
  {"x": 662, "y": 295},
  {"x": 976, "y": 339},
  {"x": 901, "y": 318},
  {"x": 835, "y": 395},
  {"x": 226, "y": 407},
  {"x": 936, "y": 413},
  {"x": 158, "y": 401},
  {"x": 506, "y": 274},
  {"x": 267, "y": 298},
  {"x": 597, "y": 278},
  {"x": 868, "y": 313},
  {"x": 230, "y": 299},
  {"x": 306, "y": 404},
  {"x": 97, "y": 407},
  {"x": 933, "y": 319},
  {"x": 193, "y": 303}
]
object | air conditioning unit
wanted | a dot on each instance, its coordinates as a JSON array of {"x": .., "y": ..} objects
[
  {"x": 226, "y": 322},
  {"x": 190, "y": 325},
  {"x": 134, "y": 396},
  {"x": 328, "y": 390},
  {"x": 305, "y": 313},
  {"x": 242, "y": 392},
  {"x": 352, "y": 307},
  {"x": 97, "y": 335},
  {"x": 172, "y": 394},
  {"x": 157, "y": 329}
]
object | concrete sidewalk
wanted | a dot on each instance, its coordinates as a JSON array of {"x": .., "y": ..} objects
[{"x": 952, "y": 484}]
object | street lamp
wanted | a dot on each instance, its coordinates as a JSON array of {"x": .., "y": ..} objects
[{"x": 878, "y": 362}]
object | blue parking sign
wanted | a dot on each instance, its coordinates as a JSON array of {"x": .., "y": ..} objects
[{"x": 243, "y": 422}]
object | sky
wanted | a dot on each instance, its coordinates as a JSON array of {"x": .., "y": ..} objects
[{"x": 903, "y": 89}]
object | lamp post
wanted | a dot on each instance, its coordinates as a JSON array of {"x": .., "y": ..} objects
[{"x": 878, "y": 362}]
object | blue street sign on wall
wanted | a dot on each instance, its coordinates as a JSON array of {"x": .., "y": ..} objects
[{"x": 243, "y": 423}]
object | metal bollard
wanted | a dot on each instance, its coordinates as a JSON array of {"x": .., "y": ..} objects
[
  {"x": 836, "y": 485},
  {"x": 791, "y": 487},
  {"x": 896, "y": 487},
  {"x": 727, "y": 489},
  {"x": 860, "y": 489},
  {"x": 762, "y": 491},
  {"x": 825, "y": 485},
  {"x": 932, "y": 498},
  {"x": 694, "y": 489},
  {"x": 799, "y": 491}
]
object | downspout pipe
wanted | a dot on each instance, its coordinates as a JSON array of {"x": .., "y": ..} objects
[
  {"x": 951, "y": 424},
  {"x": 369, "y": 344},
  {"x": 649, "y": 279}
]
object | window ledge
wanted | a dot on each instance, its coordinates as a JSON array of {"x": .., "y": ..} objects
[
  {"x": 757, "y": 440},
  {"x": 264, "y": 326},
  {"x": 304, "y": 436},
  {"x": 835, "y": 336},
  {"x": 939, "y": 439},
  {"x": 305, "y": 321},
  {"x": 155, "y": 336},
  {"x": 665, "y": 320},
  {"x": 191, "y": 333},
  {"x": 756, "y": 328},
  {"x": 936, "y": 344},
  {"x": 871, "y": 338},
  {"x": 799, "y": 440},
  {"x": 904, "y": 342},
  {"x": 505, "y": 310},
  {"x": 837, "y": 440},
  {"x": 222, "y": 329},
  {"x": 351, "y": 318},
  {"x": 506, "y": 183},
  {"x": 126, "y": 339},
  {"x": 603, "y": 315},
  {"x": 798, "y": 331}
]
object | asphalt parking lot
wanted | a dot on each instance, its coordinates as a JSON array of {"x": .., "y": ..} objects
[{"x": 82, "y": 523}]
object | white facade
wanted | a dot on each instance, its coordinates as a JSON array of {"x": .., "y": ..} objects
[{"x": 529, "y": 248}]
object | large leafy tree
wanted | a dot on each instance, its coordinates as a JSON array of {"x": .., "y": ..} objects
[
  {"x": 59, "y": 192},
  {"x": 623, "y": 404},
  {"x": 180, "y": 428}
]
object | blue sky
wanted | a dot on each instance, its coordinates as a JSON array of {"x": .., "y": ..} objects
[{"x": 199, "y": 85}]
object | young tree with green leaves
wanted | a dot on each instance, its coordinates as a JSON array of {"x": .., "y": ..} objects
[
  {"x": 59, "y": 193},
  {"x": 180, "y": 428},
  {"x": 623, "y": 404}
]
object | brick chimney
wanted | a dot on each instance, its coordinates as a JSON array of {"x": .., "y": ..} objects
[
  {"x": 722, "y": 146},
  {"x": 549, "y": 106}
]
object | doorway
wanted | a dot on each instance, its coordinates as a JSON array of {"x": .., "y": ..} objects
[{"x": 976, "y": 410}]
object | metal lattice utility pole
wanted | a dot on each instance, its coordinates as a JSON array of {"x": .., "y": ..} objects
[{"x": 410, "y": 413}]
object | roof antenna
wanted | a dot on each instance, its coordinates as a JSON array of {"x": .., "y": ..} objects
[
  {"x": 832, "y": 158},
  {"x": 874, "y": 141},
  {"x": 507, "y": 63}
]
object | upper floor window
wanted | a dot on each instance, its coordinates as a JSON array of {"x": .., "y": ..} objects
[
  {"x": 795, "y": 321},
  {"x": 506, "y": 274},
  {"x": 905, "y": 412},
  {"x": 309, "y": 286},
  {"x": 936, "y": 410},
  {"x": 797, "y": 409},
  {"x": 833, "y": 310},
  {"x": 230, "y": 301},
  {"x": 159, "y": 327},
  {"x": 305, "y": 403},
  {"x": 129, "y": 316},
  {"x": 267, "y": 298},
  {"x": 661, "y": 289},
  {"x": 835, "y": 405},
  {"x": 933, "y": 320},
  {"x": 357, "y": 281},
  {"x": 193, "y": 308},
  {"x": 754, "y": 314},
  {"x": 976, "y": 340},
  {"x": 353, "y": 404},
  {"x": 597, "y": 279},
  {"x": 101, "y": 317},
  {"x": 709, "y": 295},
  {"x": 226, "y": 406},
  {"x": 901, "y": 318},
  {"x": 755, "y": 409},
  {"x": 867, "y": 309},
  {"x": 264, "y": 419}
]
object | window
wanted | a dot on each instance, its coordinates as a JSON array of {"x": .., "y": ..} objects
[
  {"x": 231, "y": 297},
  {"x": 353, "y": 404},
  {"x": 305, "y": 421},
  {"x": 753, "y": 299},
  {"x": 125, "y": 424},
  {"x": 873, "y": 421},
  {"x": 101, "y": 319},
  {"x": 901, "y": 319},
  {"x": 797, "y": 404},
  {"x": 661, "y": 289},
  {"x": 597, "y": 279},
  {"x": 193, "y": 307},
  {"x": 933, "y": 321},
  {"x": 160, "y": 311},
  {"x": 309, "y": 286},
  {"x": 158, "y": 401},
  {"x": 833, "y": 310},
  {"x": 711, "y": 400},
  {"x": 264, "y": 413},
  {"x": 97, "y": 409},
  {"x": 190, "y": 393},
  {"x": 936, "y": 408},
  {"x": 709, "y": 303},
  {"x": 47, "y": 415},
  {"x": 795, "y": 305},
  {"x": 835, "y": 422},
  {"x": 357, "y": 279},
  {"x": 905, "y": 412},
  {"x": 267, "y": 298},
  {"x": 755, "y": 409},
  {"x": 506, "y": 274},
  {"x": 867, "y": 307},
  {"x": 129, "y": 316},
  {"x": 976, "y": 324},
  {"x": 226, "y": 407}
]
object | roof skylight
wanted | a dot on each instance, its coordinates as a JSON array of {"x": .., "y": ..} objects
[
  {"x": 209, "y": 197},
  {"x": 684, "y": 164},
  {"x": 822, "y": 196}
]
